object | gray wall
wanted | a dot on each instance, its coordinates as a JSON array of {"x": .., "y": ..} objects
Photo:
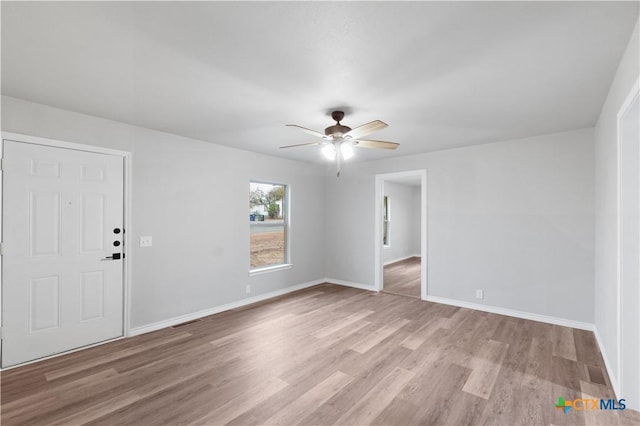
[
  {"x": 606, "y": 206},
  {"x": 405, "y": 221},
  {"x": 192, "y": 197},
  {"x": 512, "y": 218}
]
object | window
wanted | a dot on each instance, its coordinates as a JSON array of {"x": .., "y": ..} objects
[
  {"x": 268, "y": 222},
  {"x": 385, "y": 220}
]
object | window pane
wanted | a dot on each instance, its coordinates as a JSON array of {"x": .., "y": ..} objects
[
  {"x": 385, "y": 219},
  {"x": 385, "y": 234},
  {"x": 385, "y": 209},
  {"x": 267, "y": 245},
  {"x": 268, "y": 224}
]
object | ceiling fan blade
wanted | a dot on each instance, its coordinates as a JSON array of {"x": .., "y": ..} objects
[
  {"x": 311, "y": 132},
  {"x": 361, "y": 143},
  {"x": 365, "y": 129},
  {"x": 301, "y": 144}
]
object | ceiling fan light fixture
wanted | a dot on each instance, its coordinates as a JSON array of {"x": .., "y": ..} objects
[
  {"x": 329, "y": 151},
  {"x": 347, "y": 150},
  {"x": 339, "y": 140}
]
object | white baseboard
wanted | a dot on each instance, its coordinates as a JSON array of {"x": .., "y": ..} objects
[
  {"x": 217, "y": 309},
  {"x": 350, "y": 284},
  {"x": 59, "y": 354},
  {"x": 400, "y": 259},
  {"x": 513, "y": 313},
  {"x": 612, "y": 378}
]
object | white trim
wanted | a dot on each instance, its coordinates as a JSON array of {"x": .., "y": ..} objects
[
  {"x": 607, "y": 363},
  {"x": 128, "y": 242},
  {"x": 127, "y": 215},
  {"x": 1, "y": 240},
  {"x": 217, "y": 309},
  {"x": 513, "y": 313},
  {"x": 344, "y": 283},
  {"x": 377, "y": 233},
  {"x": 618, "y": 253},
  {"x": 36, "y": 140},
  {"x": 266, "y": 269},
  {"x": 424, "y": 230},
  {"x": 400, "y": 259},
  {"x": 628, "y": 101}
]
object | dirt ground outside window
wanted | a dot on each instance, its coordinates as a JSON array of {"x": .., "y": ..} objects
[{"x": 267, "y": 248}]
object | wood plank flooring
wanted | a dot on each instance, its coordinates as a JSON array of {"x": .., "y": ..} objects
[
  {"x": 324, "y": 355},
  {"x": 403, "y": 277}
]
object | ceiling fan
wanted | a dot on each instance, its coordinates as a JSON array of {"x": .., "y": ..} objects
[{"x": 338, "y": 140}]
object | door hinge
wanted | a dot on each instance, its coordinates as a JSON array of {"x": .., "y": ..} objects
[
  {"x": 1, "y": 164},
  {"x": 1, "y": 249}
]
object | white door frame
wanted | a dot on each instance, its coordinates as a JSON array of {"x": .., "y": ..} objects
[
  {"x": 633, "y": 94},
  {"x": 128, "y": 240},
  {"x": 378, "y": 247}
]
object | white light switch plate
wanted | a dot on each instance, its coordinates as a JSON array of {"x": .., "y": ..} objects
[{"x": 146, "y": 241}]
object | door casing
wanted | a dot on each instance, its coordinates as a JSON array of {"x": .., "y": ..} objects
[
  {"x": 621, "y": 381},
  {"x": 127, "y": 277}
]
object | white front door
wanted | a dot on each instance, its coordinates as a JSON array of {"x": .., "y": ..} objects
[{"x": 62, "y": 219}]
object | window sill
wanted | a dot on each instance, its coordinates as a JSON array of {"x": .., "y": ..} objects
[{"x": 266, "y": 269}]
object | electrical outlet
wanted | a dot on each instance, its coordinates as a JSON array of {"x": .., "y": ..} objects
[
  {"x": 146, "y": 241},
  {"x": 479, "y": 294},
  {"x": 248, "y": 289}
]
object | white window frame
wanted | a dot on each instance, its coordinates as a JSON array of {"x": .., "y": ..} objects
[{"x": 286, "y": 212}]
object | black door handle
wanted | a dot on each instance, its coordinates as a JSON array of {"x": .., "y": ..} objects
[{"x": 115, "y": 256}]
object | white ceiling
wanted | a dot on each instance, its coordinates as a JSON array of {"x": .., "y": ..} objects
[{"x": 441, "y": 74}]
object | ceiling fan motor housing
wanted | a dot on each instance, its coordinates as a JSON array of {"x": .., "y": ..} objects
[{"x": 336, "y": 130}]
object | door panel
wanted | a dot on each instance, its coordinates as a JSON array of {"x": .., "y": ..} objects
[
  {"x": 44, "y": 211},
  {"x": 44, "y": 305},
  {"x": 92, "y": 222},
  {"x": 92, "y": 295},
  {"x": 59, "y": 290}
]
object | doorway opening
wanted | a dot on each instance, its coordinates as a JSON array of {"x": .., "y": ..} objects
[{"x": 401, "y": 233}]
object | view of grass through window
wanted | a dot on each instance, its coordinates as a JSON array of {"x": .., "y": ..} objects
[{"x": 267, "y": 219}]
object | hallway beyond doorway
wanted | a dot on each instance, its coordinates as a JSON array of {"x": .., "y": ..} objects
[{"x": 403, "y": 277}]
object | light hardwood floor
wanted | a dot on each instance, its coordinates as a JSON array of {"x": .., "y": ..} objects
[
  {"x": 403, "y": 277},
  {"x": 325, "y": 355}
]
